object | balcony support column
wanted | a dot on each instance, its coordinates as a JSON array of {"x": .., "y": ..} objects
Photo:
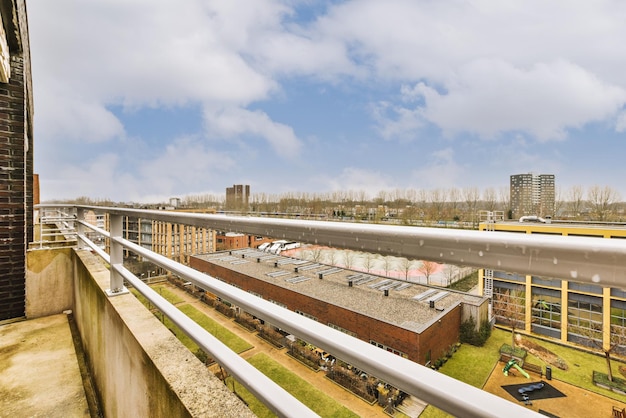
[
  {"x": 80, "y": 229},
  {"x": 117, "y": 256}
]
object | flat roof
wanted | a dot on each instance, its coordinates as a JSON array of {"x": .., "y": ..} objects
[
  {"x": 406, "y": 306},
  {"x": 587, "y": 228}
]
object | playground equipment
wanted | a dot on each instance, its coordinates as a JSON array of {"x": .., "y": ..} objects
[
  {"x": 530, "y": 388},
  {"x": 513, "y": 363}
]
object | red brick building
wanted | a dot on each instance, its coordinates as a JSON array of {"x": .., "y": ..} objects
[
  {"x": 236, "y": 241},
  {"x": 415, "y": 321}
]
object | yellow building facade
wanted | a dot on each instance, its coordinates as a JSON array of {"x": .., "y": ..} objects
[{"x": 573, "y": 313}]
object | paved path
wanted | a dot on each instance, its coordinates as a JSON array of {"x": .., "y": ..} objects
[{"x": 318, "y": 379}]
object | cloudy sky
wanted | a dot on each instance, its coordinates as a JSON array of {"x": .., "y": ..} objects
[{"x": 142, "y": 100}]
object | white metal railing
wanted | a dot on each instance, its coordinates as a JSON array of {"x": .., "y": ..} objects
[
  {"x": 505, "y": 251},
  {"x": 58, "y": 223},
  {"x": 582, "y": 259}
]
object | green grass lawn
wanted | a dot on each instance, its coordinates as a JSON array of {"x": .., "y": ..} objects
[
  {"x": 473, "y": 365},
  {"x": 161, "y": 290},
  {"x": 306, "y": 393},
  {"x": 233, "y": 342},
  {"x": 466, "y": 283},
  {"x": 168, "y": 295}
]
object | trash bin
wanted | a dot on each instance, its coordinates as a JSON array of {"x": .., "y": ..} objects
[{"x": 548, "y": 372}]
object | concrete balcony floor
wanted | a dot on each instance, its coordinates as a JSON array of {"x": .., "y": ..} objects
[{"x": 39, "y": 370}]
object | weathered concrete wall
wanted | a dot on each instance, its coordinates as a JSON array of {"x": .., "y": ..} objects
[
  {"x": 49, "y": 282},
  {"x": 139, "y": 367}
]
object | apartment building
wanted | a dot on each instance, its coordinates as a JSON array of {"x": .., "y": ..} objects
[
  {"x": 238, "y": 197},
  {"x": 532, "y": 195}
]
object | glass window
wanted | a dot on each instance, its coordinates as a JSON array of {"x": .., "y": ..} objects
[
  {"x": 584, "y": 317},
  {"x": 509, "y": 304},
  {"x": 618, "y": 326},
  {"x": 546, "y": 311}
]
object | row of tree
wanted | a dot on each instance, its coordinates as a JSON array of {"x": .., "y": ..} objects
[{"x": 601, "y": 203}]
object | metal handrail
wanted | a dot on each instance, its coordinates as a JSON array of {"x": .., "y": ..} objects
[
  {"x": 582, "y": 259},
  {"x": 448, "y": 394}
]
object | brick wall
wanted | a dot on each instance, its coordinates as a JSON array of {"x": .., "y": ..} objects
[
  {"x": 436, "y": 339},
  {"x": 16, "y": 165}
]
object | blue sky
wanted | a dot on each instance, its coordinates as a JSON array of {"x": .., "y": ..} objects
[{"x": 141, "y": 101}]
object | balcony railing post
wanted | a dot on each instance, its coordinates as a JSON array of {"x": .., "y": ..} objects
[
  {"x": 80, "y": 229},
  {"x": 117, "y": 256}
]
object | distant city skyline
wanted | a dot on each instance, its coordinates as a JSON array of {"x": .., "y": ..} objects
[{"x": 138, "y": 101}]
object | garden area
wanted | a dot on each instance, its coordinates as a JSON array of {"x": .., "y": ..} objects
[
  {"x": 477, "y": 365},
  {"x": 318, "y": 401},
  {"x": 224, "y": 335}
]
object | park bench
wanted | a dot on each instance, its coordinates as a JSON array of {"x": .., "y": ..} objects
[{"x": 533, "y": 368}]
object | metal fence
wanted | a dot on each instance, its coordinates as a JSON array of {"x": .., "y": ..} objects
[{"x": 593, "y": 260}]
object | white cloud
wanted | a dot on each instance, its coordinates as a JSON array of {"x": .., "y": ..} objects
[
  {"x": 76, "y": 119},
  {"x": 491, "y": 97},
  {"x": 354, "y": 178},
  {"x": 620, "y": 125},
  {"x": 233, "y": 121},
  {"x": 187, "y": 161},
  {"x": 490, "y": 67},
  {"x": 142, "y": 53},
  {"x": 468, "y": 69},
  {"x": 397, "y": 122},
  {"x": 441, "y": 171}
]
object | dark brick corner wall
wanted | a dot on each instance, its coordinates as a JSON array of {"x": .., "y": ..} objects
[{"x": 16, "y": 165}]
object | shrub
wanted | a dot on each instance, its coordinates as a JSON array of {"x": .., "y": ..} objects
[{"x": 468, "y": 333}]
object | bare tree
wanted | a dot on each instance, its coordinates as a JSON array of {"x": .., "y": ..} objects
[
  {"x": 332, "y": 256},
  {"x": 369, "y": 261},
  {"x": 437, "y": 202},
  {"x": 558, "y": 202},
  {"x": 427, "y": 268},
  {"x": 504, "y": 200},
  {"x": 593, "y": 333},
  {"x": 454, "y": 198},
  {"x": 490, "y": 199},
  {"x": 387, "y": 264},
  {"x": 602, "y": 200},
  {"x": 315, "y": 254},
  {"x": 348, "y": 258},
  {"x": 450, "y": 271},
  {"x": 575, "y": 198},
  {"x": 509, "y": 307},
  {"x": 407, "y": 266},
  {"x": 471, "y": 196}
]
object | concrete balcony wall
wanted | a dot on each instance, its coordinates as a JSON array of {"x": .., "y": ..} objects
[
  {"x": 49, "y": 282},
  {"x": 139, "y": 367}
]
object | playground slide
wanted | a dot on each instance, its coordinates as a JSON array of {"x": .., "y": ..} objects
[
  {"x": 513, "y": 363},
  {"x": 521, "y": 371}
]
